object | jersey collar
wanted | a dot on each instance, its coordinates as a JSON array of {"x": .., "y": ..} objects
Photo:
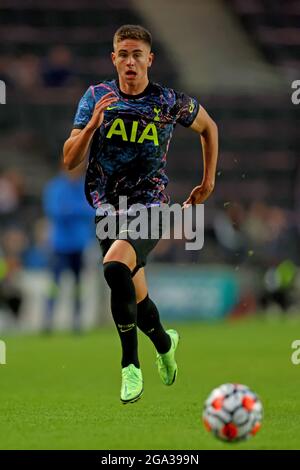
[{"x": 147, "y": 91}]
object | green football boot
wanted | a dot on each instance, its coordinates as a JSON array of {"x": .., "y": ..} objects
[
  {"x": 132, "y": 384},
  {"x": 166, "y": 364}
]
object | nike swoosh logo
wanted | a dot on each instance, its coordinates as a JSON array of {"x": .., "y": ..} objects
[
  {"x": 123, "y": 330},
  {"x": 111, "y": 107},
  {"x": 124, "y": 231}
]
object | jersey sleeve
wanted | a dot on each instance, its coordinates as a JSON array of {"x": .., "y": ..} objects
[
  {"x": 85, "y": 109},
  {"x": 186, "y": 109}
]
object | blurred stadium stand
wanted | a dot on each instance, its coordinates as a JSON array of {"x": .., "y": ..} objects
[
  {"x": 238, "y": 57},
  {"x": 212, "y": 52},
  {"x": 274, "y": 27}
]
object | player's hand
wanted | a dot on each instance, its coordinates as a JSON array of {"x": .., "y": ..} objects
[
  {"x": 199, "y": 194},
  {"x": 98, "y": 114}
]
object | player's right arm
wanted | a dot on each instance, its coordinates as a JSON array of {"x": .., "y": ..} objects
[{"x": 76, "y": 146}]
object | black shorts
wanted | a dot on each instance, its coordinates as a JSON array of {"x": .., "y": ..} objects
[{"x": 115, "y": 226}]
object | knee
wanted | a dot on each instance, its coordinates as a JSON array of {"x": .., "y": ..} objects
[{"x": 116, "y": 273}]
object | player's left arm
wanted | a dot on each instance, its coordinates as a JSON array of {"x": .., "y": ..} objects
[{"x": 204, "y": 125}]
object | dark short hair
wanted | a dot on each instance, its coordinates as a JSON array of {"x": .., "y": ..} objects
[{"x": 132, "y": 31}]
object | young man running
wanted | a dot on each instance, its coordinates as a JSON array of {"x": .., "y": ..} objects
[{"x": 125, "y": 125}]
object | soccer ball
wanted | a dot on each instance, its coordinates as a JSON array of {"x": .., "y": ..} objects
[{"x": 232, "y": 412}]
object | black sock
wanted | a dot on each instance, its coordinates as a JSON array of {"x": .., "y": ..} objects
[
  {"x": 149, "y": 323},
  {"x": 124, "y": 309}
]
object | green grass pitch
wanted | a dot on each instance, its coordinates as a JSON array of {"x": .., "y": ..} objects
[{"x": 62, "y": 392}]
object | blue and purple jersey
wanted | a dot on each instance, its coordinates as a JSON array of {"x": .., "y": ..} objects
[{"x": 128, "y": 151}]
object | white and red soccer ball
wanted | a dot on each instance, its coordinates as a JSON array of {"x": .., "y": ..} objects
[{"x": 232, "y": 412}]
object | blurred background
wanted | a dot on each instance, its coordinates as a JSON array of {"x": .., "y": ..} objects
[{"x": 239, "y": 58}]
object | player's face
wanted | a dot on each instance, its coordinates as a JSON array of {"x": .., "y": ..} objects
[{"x": 132, "y": 59}]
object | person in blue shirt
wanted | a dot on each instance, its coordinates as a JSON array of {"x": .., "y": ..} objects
[
  {"x": 71, "y": 232},
  {"x": 124, "y": 127}
]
